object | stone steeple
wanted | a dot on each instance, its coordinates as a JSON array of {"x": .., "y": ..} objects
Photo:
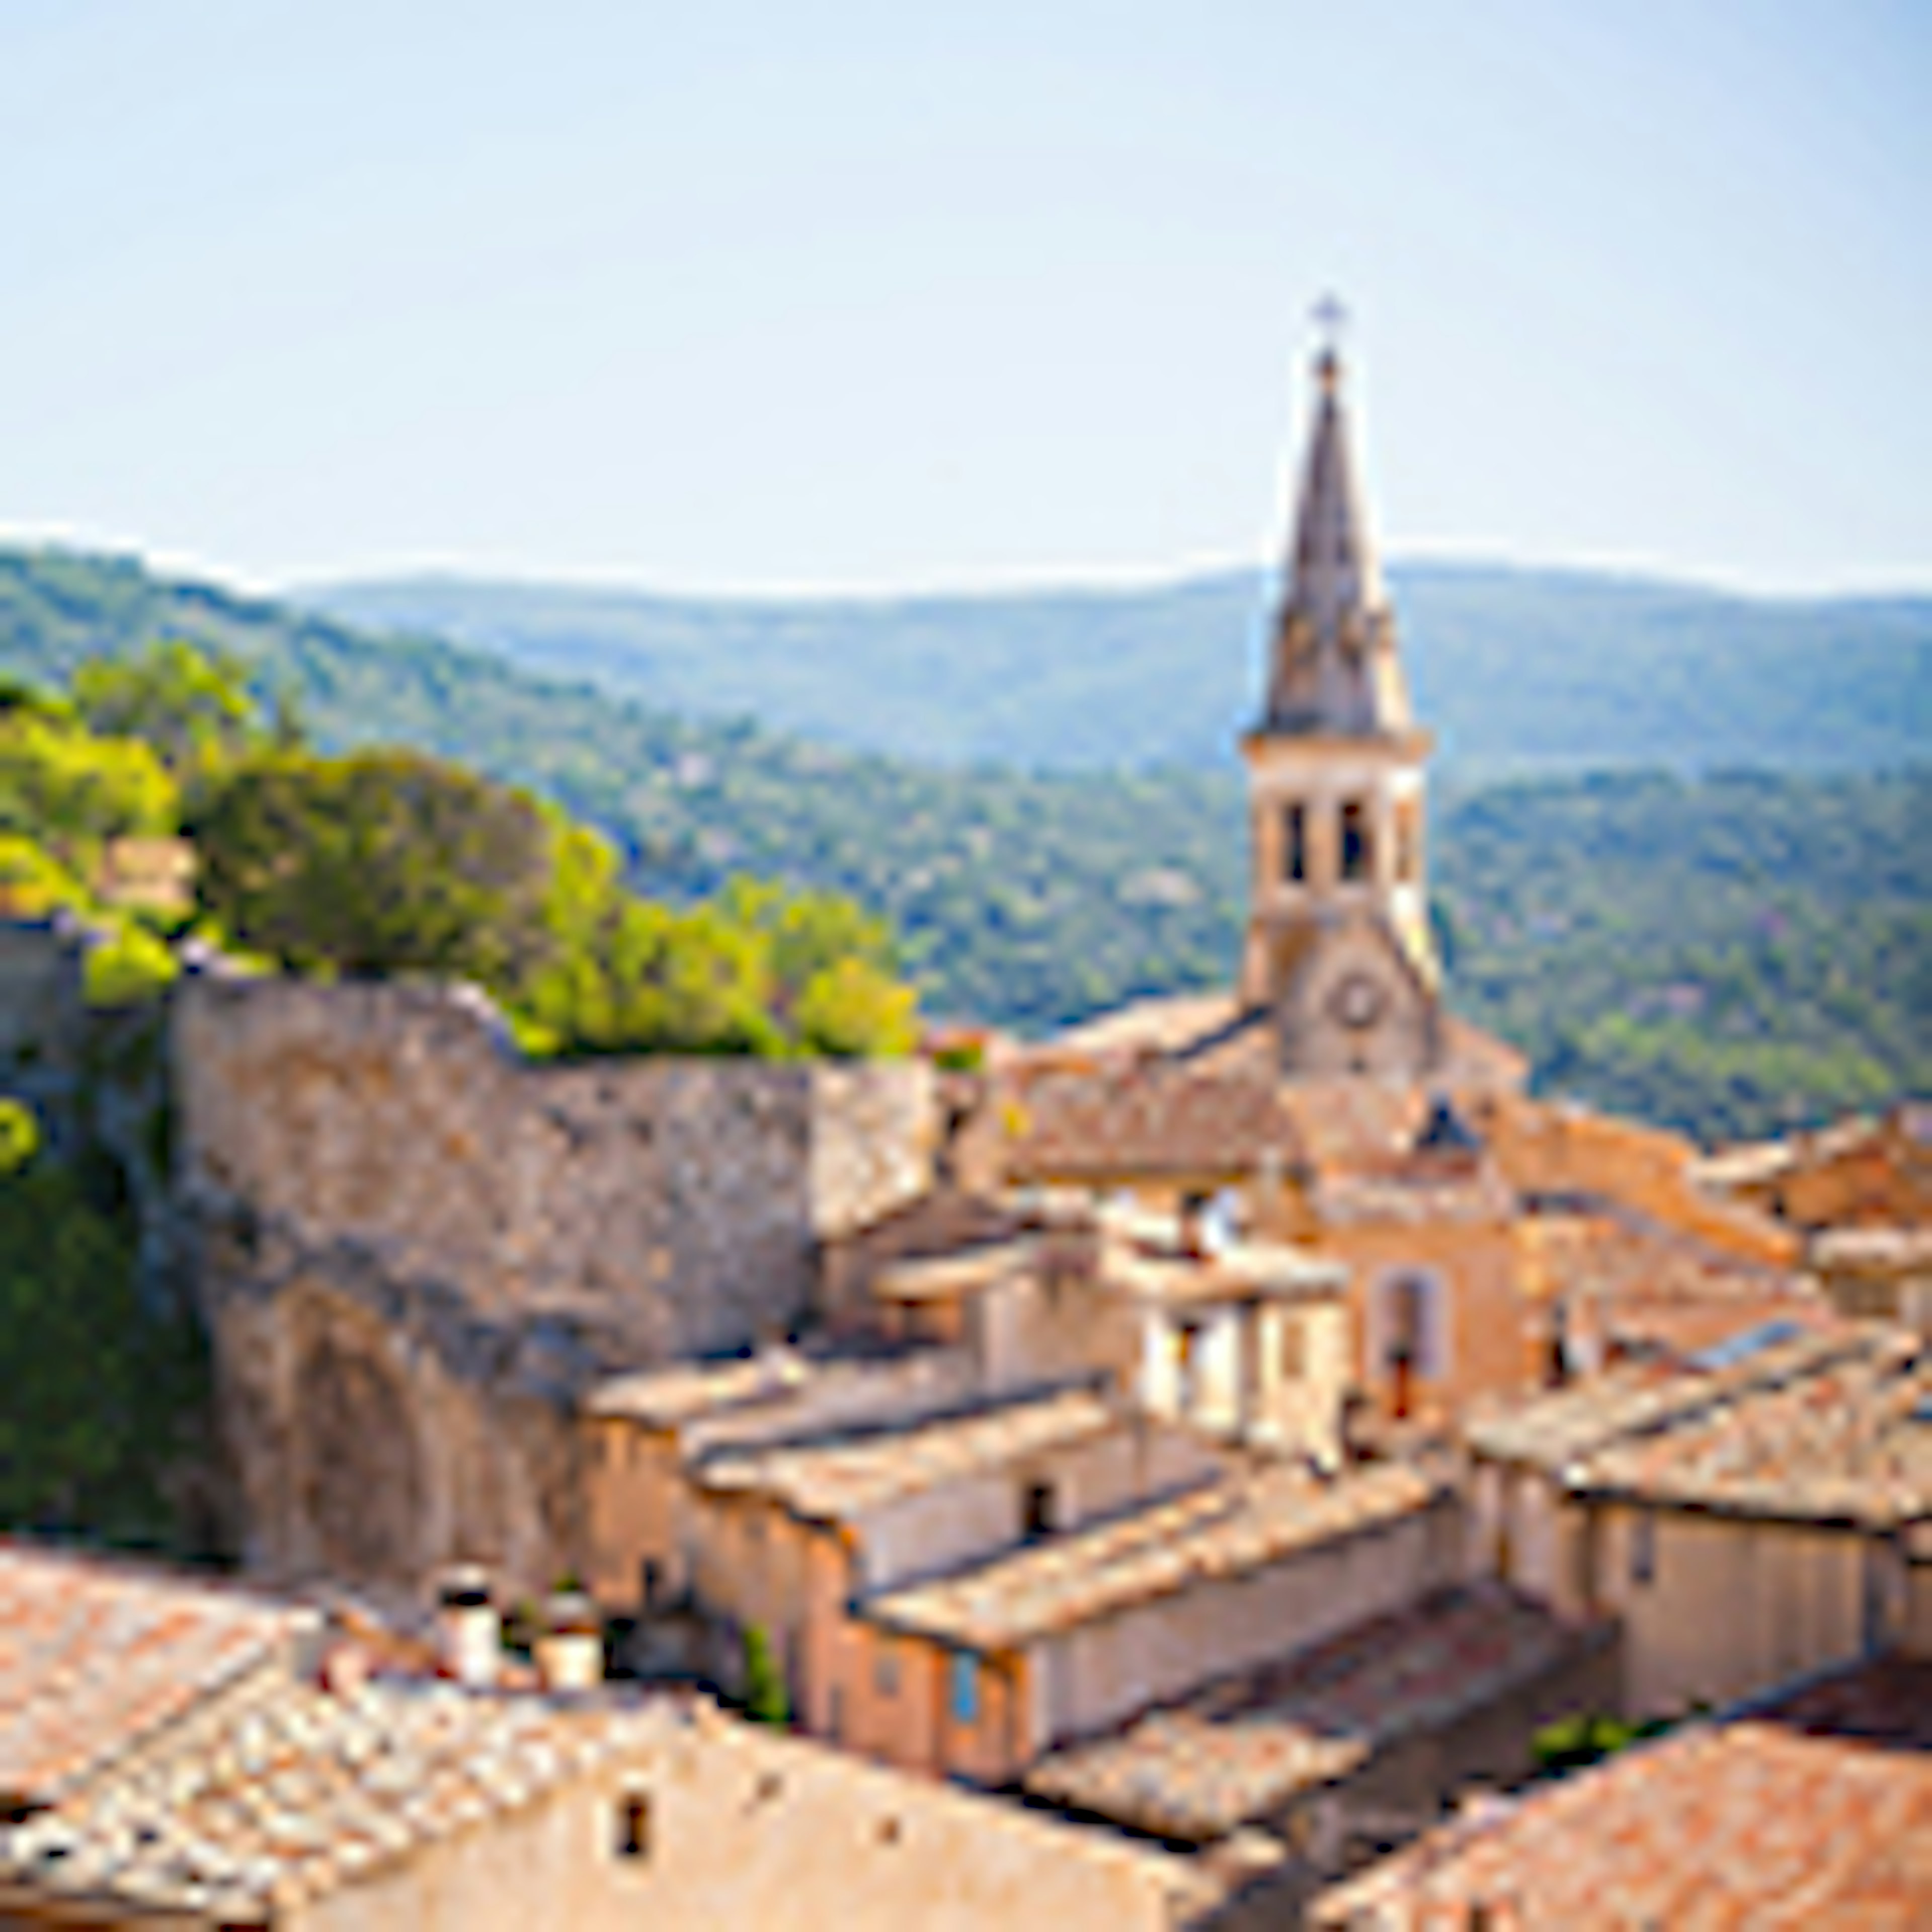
[
  {"x": 1334, "y": 670},
  {"x": 1338, "y": 948}
]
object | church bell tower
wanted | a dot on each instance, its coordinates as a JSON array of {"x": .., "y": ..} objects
[{"x": 1338, "y": 948}]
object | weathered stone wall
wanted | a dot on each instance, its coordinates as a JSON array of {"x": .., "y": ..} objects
[{"x": 416, "y": 1249}]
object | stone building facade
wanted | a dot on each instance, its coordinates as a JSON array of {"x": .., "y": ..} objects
[{"x": 415, "y": 1249}]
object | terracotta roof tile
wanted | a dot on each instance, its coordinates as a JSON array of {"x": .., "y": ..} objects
[
  {"x": 845, "y": 1474},
  {"x": 1850, "y": 1441},
  {"x": 1156, "y": 1118},
  {"x": 1787, "y": 1818},
  {"x": 1831, "y": 1427},
  {"x": 96, "y": 1656},
  {"x": 308, "y": 1789},
  {"x": 1245, "y": 1745},
  {"x": 1226, "y": 1529}
]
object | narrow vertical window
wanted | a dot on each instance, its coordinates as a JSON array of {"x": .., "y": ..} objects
[
  {"x": 1294, "y": 842},
  {"x": 1036, "y": 1512},
  {"x": 1643, "y": 1548},
  {"x": 633, "y": 1826},
  {"x": 964, "y": 1673},
  {"x": 1358, "y": 854}
]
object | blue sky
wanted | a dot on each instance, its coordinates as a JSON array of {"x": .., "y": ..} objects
[{"x": 776, "y": 296}]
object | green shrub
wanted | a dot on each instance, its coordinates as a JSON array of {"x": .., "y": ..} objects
[
  {"x": 766, "y": 1701},
  {"x": 130, "y": 968},
  {"x": 19, "y": 1135}
]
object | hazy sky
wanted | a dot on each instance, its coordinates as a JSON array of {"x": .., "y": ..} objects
[{"x": 766, "y": 295}]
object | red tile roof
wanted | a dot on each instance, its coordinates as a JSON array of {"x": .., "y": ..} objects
[
  {"x": 1117, "y": 1122},
  {"x": 1784, "y": 1818},
  {"x": 1244, "y": 1746},
  {"x": 96, "y": 1657}
]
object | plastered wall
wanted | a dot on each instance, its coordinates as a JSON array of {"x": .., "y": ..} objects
[{"x": 747, "y": 1829}]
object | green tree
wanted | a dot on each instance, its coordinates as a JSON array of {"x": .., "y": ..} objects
[
  {"x": 191, "y": 703},
  {"x": 129, "y": 965},
  {"x": 100, "y": 1395},
  {"x": 19, "y": 1136},
  {"x": 380, "y": 863},
  {"x": 69, "y": 791},
  {"x": 33, "y": 883},
  {"x": 851, "y": 1008}
]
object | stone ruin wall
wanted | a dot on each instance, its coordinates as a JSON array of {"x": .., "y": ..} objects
[{"x": 416, "y": 1249}]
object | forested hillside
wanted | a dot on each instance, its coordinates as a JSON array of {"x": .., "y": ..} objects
[
  {"x": 1517, "y": 670},
  {"x": 1729, "y": 953}
]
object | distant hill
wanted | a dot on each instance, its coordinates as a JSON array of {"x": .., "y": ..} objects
[
  {"x": 1731, "y": 954},
  {"x": 1517, "y": 670}
]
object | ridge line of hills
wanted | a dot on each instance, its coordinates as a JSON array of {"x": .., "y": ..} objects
[
  {"x": 1733, "y": 952},
  {"x": 1518, "y": 669}
]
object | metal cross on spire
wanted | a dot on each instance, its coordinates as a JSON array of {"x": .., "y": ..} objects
[{"x": 1331, "y": 319}]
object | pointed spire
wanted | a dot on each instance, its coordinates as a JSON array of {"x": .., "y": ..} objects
[{"x": 1334, "y": 668}]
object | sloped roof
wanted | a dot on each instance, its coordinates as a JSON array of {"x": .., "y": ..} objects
[
  {"x": 1334, "y": 669},
  {"x": 1154, "y": 1118},
  {"x": 1832, "y": 1427},
  {"x": 1244, "y": 1745},
  {"x": 1816, "y": 1812},
  {"x": 846, "y": 1474},
  {"x": 1227, "y": 1528},
  {"x": 309, "y": 1790},
  {"x": 97, "y": 1656}
]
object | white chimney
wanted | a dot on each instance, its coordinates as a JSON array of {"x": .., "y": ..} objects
[
  {"x": 570, "y": 1654},
  {"x": 469, "y": 1633}
]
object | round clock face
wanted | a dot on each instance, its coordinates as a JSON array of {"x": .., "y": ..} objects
[{"x": 1356, "y": 1002}]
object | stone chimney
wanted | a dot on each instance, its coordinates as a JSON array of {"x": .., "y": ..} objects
[
  {"x": 469, "y": 1632},
  {"x": 570, "y": 1654}
]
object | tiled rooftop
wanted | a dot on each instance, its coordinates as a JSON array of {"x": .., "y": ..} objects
[
  {"x": 309, "y": 1789},
  {"x": 1244, "y": 1747},
  {"x": 964, "y": 1271},
  {"x": 1825, "y": 1427},
  {"x": 1417, "y": 1193},
  {"x": 1881, "y": 1245},
  {"x": 1550, "y": 1432},
  {"x": 1229, "y": 1528},
  {"x": 1785, "y": 1819},
  {"x": 664, "y": 1398},
  {"x": 846, "y": 1475},
  {"x": 96, "y": 1656},
  {"x": 1151, "y": 1119},
  {"x": 1850, "y": 1442},
  {"x": 1164, "y": 1025}
]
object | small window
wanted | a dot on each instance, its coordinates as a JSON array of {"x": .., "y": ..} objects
[
  {"x": 1294, "y": 842},
  {"x": 885, "y": 1669},
  {"x": 964, "y": 1672},
  {"x": 1643, "y": 1548},
  {"x": 1036, "y": 1512},
  {"x": 1358, "y": 851},
  {"x": 633, "y": 1826}
]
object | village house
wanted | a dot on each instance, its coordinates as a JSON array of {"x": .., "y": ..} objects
[
  {"x": 180, "y": 1755},
  {"x": 1764, "y": 1516}
]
